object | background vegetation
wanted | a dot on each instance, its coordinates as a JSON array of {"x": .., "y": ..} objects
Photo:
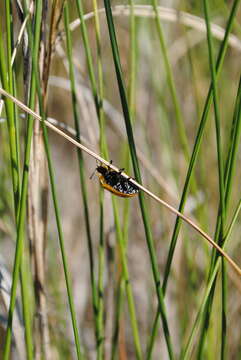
[{"x": 84, "y": 274}]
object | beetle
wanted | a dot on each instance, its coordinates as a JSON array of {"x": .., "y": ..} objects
[{"x": 116, "y": 183}]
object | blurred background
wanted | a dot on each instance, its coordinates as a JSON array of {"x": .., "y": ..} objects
[{"x": 166, "y": 107}]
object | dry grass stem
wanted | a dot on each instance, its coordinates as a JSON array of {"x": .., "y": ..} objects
[
  {"x": 101, "y": 160},
  {"x": 167, "y": 14}
]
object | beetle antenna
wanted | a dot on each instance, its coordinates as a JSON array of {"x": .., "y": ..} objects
[{"x": 92, "y": 174}]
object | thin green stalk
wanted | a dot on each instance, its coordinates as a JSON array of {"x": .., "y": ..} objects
[
  {"x": 22, "y": 207},
  {"x": 126, "y": 278},
  {"x": 122, "y": 242},
  {"x": 171, "y": 84},
  {"x": 81, "y": 166},
  {"x": 104, "y": 152},
  {"x": 57, "y": 215},
  {"x": 197, "y": 144},
  {"x": 132, "y": 83},
  {"x": 206, "y": 320},
  {"x": 23, "y": 274},
  {"x": 123, "y": 239},
  {"x": 224, "y": 312},
  {"x": 119, "y": 307},
  {"x": 236, "y": 213},
  {"x": 232, "y": 153},
  {"x": 126, "y": 210},
  {"x": 4, "y": 69},
  {"x": 99, "y": 103},
  {"x": 8, "y": 16},
  {"x": 19, "y": 246},
  {"x": 154, "y": 332},
  {"x": 186, "y": 351},
  {"x": 229, "y": 173},
  {"x": 221, "y": 185},
  {"x": 234, "y": 141},
  {"x": 88, "y": 53},
  {"x": 195, "y": 153},
  {"x": 100, "y": 317},
  {"x": 146, "y": 223},
  {"x": 217, "y": 118},
  {"x": 61, "y": 241},
  {"x": 25, "y": 291},
  {"x": 62, "y": 247}
]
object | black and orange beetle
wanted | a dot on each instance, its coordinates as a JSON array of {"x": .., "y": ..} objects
[{"x": 116, "y": 183}]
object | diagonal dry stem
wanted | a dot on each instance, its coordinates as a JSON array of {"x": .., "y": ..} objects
[{"x": 141, "y": 187}]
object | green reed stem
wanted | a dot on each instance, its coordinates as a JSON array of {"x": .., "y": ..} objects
[
  {"x": 81, "y": 166},
  {"x": 22, "y": 207},
  {"x": 129, "y": 131}
]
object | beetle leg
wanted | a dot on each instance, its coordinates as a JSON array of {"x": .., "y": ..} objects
[
  {"x": 111, "y": 162},
  {"x": 92, "y": 174},
  {"x": 121, "y": 170}
]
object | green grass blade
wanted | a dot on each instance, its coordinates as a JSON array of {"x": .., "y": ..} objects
[
  {"x": 229, "y": 173},
  {"x": 126, "y": 277},
  {"x": 224, "y": 312},
  {"x": 81, "y": 166},
  {"x": 4, "y": 69},
  {"x": 58, "y": 219},
  {"x": 104, "y": 152},
  {"x": 62, "y": 247},
  {"x": 194, "y": 155},
  {"x": 217, "y": 116},
  {"x": 129, "y": 131},
  {"x": 198, "y": 142},
  {"x": 100, "y": 315},
  {"x": 221, "y": 190},
  {"x": 119, "y": 307},
  {"x": 22, "y": 207},
  {"x": 185, "y": 353},
  {"x": 235, "y": 216},
  {"x": 88, "y": 53},
  {"x": 15, "y": 150},
  {"x": 98, "y": 98},
  {"x": 154, "y": 332},
  {"x": 171, "y": 84},
  {"x": 234, "y": 145}
]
